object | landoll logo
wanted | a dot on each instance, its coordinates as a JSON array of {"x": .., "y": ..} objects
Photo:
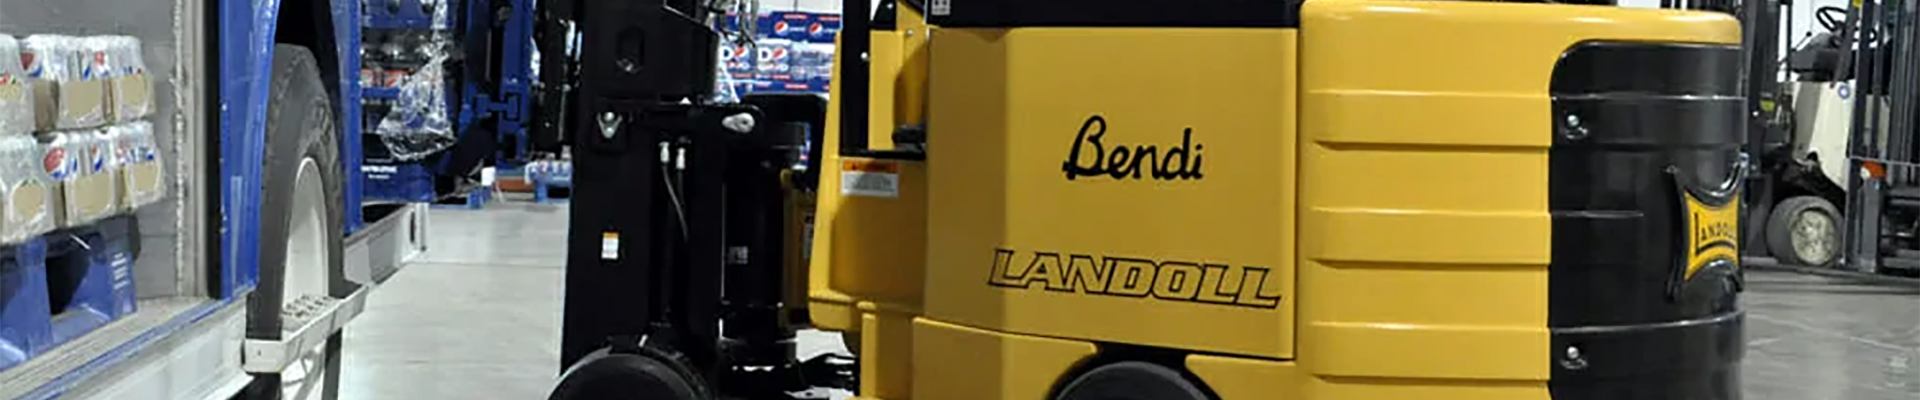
[{"x": 1188, "y": 281}]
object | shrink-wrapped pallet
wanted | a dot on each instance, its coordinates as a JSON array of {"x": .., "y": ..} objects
[
  {"x": 69, "y": 79},
  {"x": 16, "y": 94},
  {"x": 138, "y": 162},
  {"x": 78, "y": 163},
  {"x": 132, "y": 88},
  {"x": 26, "y": 194}
]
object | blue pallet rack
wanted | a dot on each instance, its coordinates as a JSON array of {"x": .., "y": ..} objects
[
  {"x": 546, "y": 175},
  {"x": 26, "y": 325},
  {"x": 90, "y": 273},
  {"x": 58, "y": 287},
  {"x": 543, "y": 188}
]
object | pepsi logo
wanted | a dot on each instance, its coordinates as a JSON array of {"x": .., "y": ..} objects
[
  {"x": 56, "y": 157},
  {"x": 126, "y": 151},
  {"x": 98, "y": 157},
  {"x": 780, "y": 26},
  {"x": 816, "y": 28}
]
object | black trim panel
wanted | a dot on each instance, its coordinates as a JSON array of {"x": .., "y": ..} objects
[
  {"x": 1118, "y": 13},
  {"x": 1637, "y": 125},
  {"x": 1685, "y": 360}
]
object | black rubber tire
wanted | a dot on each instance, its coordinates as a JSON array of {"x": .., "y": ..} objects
[
  {"x": 1131, "y": 380},
  {"x": 623, "y": 376},
  {"x": 1780, "y": 230},
  {"x": 300, "y": 126}
]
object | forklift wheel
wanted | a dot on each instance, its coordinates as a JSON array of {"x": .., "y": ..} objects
[
  {"x": 1131, "y": 380},
  {"x": 1804, "y": 230},
  {"x": 620, "y": 376}
]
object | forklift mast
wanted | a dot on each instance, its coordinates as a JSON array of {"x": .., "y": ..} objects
[
  {"x": 1761, "y": 28},
  {"x": 676, "y": 227}
]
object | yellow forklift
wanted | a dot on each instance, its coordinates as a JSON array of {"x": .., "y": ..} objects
[{"x": 1195, "y": 200}]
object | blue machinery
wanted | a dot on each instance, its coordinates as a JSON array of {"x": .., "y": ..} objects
[{"x": 487, "y": 88}]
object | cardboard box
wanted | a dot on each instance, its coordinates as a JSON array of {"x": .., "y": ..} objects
[
  {"x": 140, "y": 185},
  {"x": 132, "y": 97},
  {"x": 88, "y": 198},
  {"x": 28, "y": 209},
  {"x": 70, "y": 105},
  {"x": 16, "y": 108},
  {"x": 87, "y": 187}
]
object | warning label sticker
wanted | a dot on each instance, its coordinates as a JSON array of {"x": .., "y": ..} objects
[{"x": 870, "y": 178}]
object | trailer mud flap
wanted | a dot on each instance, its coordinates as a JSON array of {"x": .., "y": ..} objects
[{"x": 1644, "y": 177}]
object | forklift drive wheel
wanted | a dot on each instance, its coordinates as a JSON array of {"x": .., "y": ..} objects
[
  {"x": 1804, "y": 230},
  {"x": 1131, "y": 380},
  {"x": 607, "y": 375},
  {"x": 300, "y": 225}
]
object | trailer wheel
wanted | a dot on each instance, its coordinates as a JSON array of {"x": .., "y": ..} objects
[
  {"x": 300, "y": 225},
  {"x": 1131, "y": 380},
  {"x": 1804, "y": 230}
]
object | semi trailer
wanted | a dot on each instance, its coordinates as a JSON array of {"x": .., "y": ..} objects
[{"x": 267, "y": 240}]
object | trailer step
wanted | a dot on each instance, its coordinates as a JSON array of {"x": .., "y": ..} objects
[{"x": 308, "y": 321}]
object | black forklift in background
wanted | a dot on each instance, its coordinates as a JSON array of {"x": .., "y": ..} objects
[
  {"x": 703, "y": 223},
  {"x": 1832, "y": 184}
]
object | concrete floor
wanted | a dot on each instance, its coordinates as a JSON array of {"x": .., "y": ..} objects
[
  {"x": 478, "y": 318},
  {"x": 1819, "y": 338}
]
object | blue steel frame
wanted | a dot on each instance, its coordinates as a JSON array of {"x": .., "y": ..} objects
[
  {"x": 246, "y": 39},
  {"x": 510, "y": 102}
]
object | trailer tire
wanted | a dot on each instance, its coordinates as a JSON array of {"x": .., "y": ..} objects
[
  {"x": 1131, "y": 380},
  {"x": 301, "y": 227},
  {"x": 1804, "y": 230}
]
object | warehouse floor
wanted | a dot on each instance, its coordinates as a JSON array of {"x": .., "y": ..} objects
[{"x": 478, "y": 317}]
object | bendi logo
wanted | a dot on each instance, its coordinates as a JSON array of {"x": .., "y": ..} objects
[
  {"x": 1132, "y": 277},
  {"x": 1129, "y": 162}
]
